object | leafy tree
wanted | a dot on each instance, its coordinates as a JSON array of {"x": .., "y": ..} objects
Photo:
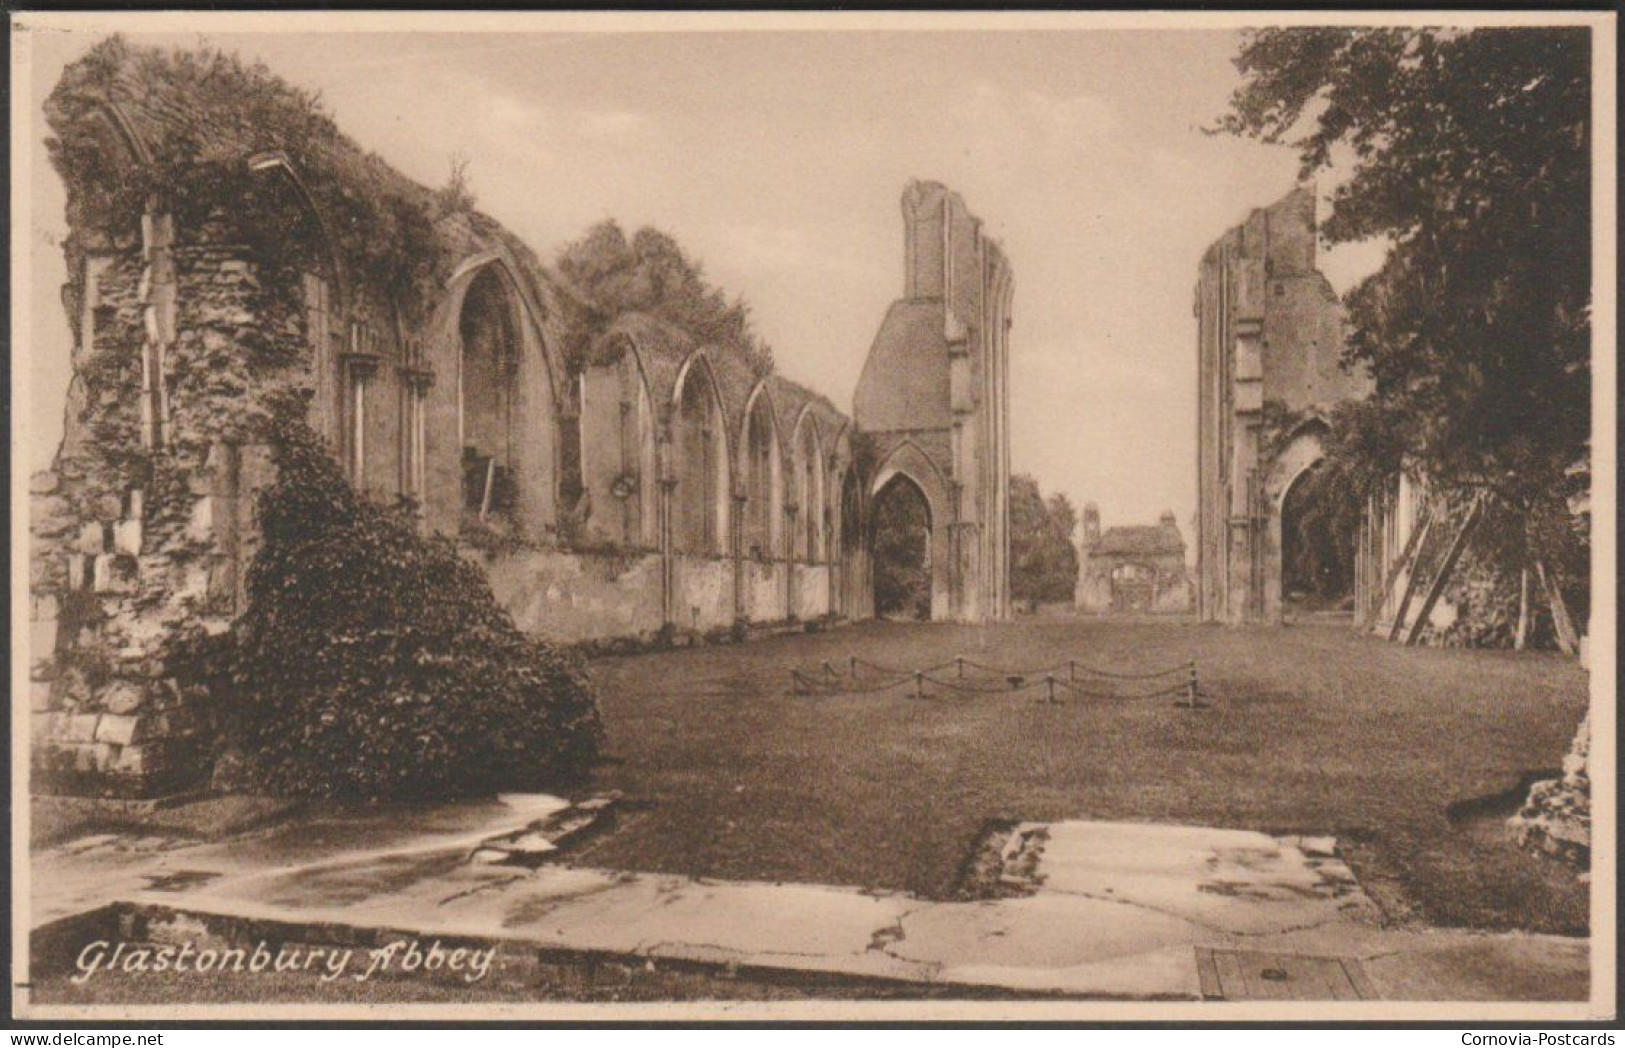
[
  {"x": 1043, "y": 559},
  {"x": 651, "y": 274},
  {"x": 374, "y": 662},
  {"x": 1469, "y": 151}
]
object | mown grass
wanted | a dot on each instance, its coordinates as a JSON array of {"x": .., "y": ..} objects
[{"x": 1313, "y": 730}]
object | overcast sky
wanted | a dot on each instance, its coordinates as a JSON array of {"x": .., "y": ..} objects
[{"x": 778, "y": 159}]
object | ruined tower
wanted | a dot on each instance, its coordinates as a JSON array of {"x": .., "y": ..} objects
[
  {"x": 934, "y": 400},
  {"x": 1269, "y": 367}
]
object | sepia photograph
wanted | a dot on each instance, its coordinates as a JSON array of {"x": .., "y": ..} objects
[{"x": 1048, "y": 516}]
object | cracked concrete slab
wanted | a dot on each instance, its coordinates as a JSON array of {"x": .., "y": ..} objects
[
  {"x": 1115, "y": 910},
  {"x": 1230, "y": 882}
]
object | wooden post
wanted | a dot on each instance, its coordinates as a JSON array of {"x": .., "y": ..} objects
[
  {"x": 1567, "y": 639},
  {"x": 919, "y": 685},
  {"x": 1192, "y": 690},
  {"x": 490, "y": 482},
  {"x": 1447, "y": 567},
  {"x": 1049, "y": 681},
  {"x": 852, "y": 663},
  {"x": 1072, "y": 669},
  {"x": 959, "y": 663},
  {"x": 1413, "y": 547},
  {"x": 1522, "y": 636}
]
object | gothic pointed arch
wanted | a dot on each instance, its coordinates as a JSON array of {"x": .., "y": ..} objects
[
  {"x": 761, "y": 474},
  {"x": 700, "y": 460}
]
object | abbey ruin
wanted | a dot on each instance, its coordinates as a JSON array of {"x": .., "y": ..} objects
[
  {"x": 230, "y": 248},
  {"x": 1269, "y": 357}
]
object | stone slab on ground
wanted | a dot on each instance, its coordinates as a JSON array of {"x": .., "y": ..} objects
[{"x": 1116, "y": 910}]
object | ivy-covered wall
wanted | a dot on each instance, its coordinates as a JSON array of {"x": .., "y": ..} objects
[{"x": 230, "y": 250}]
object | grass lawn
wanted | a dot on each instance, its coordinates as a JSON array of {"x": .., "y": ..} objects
[{"x": 1314, "y": 730}]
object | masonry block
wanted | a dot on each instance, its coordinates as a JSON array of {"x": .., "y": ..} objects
[
  {"x": 77, "y": 569},
  {"x": 114, "y": 573},
  {"x": 120, "y": 729},
  {"x": 39, "y": 696},
  {"x": 42, "y": 635},
  {"x": 122, "y": 697},
  {"x": 127, "y": 537},
  {"x": 133, "y": 760},
  {"x": 43, "y": 607},
  {"x": 200, "y": 527},
  {"x": 81, "y": 727},
  {"x": 91, "y": 540}
]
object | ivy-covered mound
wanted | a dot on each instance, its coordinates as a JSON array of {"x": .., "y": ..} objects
[{"x": 374, "y": 662}]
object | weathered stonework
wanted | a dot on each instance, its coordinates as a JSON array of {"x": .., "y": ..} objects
[
  {"x": 1556, "y": 820},
  {"x": 230, "y": 251},
  {"x": 1132, "y": 569},
  {"x": 1269, "y": 355},
  {"x": 934, "y": 399}
]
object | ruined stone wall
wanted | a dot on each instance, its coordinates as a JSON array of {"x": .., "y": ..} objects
[
  {"x": 1269, "y": 343},
  {"x": 936, "y": 380},
  {"x": 142, "y": 528},
  {"x": 230, "y": 250}
]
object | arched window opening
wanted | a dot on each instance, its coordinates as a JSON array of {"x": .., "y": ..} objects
[
  {"x": 487, "y": 392},
  {"x": 700, "y": 507},
  {"x": 763, "y": 504},
  {"x": 810, "y": 495}
]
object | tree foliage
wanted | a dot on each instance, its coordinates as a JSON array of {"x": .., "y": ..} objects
[
  {"x": 1043, "y": 557},
  {"x": 1469, "y": 151},
  {"x": 373, "y": 662},
  {"x": 649, "y": 273}
]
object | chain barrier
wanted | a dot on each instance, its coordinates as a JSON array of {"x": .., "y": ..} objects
[{"x": 994, "y": 680}]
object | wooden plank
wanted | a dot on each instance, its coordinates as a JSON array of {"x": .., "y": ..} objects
[
  {"x": 1412, "y": 544},
  {"x": 1522, "y": 636},
  {"x": 1446, "y": 569},
  {"x": 1260, "y": 988},
  {"x": 1412, "y": 561},
  {"x": 1208, "y": 972},
  {"x": 1231, "y": 982},
  {"x": 1339, "y": 986},
  {"x": 1360, "y": 981},
  {"x": 1567, "y": 639}
]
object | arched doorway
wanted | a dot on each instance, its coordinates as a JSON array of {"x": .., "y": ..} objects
[
  {"x": 1317, "y": 545},
  {"x": 901, "y": 524}
]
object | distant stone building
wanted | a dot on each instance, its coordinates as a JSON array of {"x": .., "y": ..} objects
[
  {"x": 230, "y": 250},
  {"x": 1269, "y": 367},
  {"x": 933, "y": 401},
  {"x": 1132, "y": 569}
]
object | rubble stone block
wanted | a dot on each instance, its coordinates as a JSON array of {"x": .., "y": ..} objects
[
  {"x": 39, "y": 696},
  {"x": 42, "y": 635},
  {"x": 91, "y": 541},
  {"x": 81, "y": 727},
  {"x": 201, "y": 525},
  {"x": 127, "y": 537},
  {"x": 133, "y": 760},
  {"x": 43, "y": 482},
  {"x": 44, "y": 607},
  {"x": 123, "y": 697},
  {"x": 77, "y": 566},
  {"x": 113, "y": 574},
  {"x": 118, "y": 728}
]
